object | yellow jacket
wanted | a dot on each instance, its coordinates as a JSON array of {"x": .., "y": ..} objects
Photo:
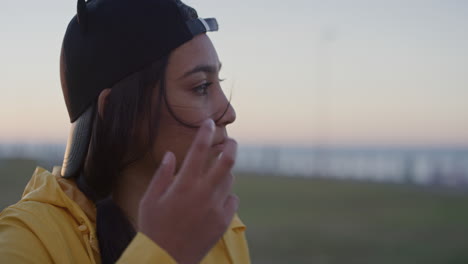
[{"x": 55, "y": 223}]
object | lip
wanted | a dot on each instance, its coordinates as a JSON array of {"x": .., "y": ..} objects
[{"x": 220, "y": 145}]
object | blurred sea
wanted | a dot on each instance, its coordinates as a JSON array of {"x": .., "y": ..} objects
[
  {"x": 444, "y": 166},
  {"x": 422, "y": 165}
]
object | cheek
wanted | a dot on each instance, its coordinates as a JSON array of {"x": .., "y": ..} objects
[
  {"x": 173, "y": 136},
  {"x": 177, "y": 138},
  {"x": 189, "y": 108}
]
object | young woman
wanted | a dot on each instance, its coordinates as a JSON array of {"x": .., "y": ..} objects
[{"x": 146, "y": 176}]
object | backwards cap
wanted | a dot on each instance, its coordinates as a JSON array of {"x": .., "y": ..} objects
[{"x": 105, "y": 42}]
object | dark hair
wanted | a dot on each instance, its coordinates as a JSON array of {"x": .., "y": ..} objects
[{"x": 114, "y": 146}]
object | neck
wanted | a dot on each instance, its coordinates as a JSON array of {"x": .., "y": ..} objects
[{"x": 130, "y": 188}]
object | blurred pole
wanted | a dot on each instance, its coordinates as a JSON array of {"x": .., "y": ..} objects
[{"x": 322, "y": 102}]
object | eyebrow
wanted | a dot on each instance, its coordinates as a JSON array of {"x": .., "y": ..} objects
[{"x": 208, "y": 68}]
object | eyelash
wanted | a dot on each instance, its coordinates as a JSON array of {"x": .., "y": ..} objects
[{"x": 202, "y": 90}]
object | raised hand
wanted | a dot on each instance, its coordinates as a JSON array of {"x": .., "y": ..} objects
[{"x": 188, "y": 214}]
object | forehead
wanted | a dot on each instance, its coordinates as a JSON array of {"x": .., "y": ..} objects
[{"x": 198, "y": 51}]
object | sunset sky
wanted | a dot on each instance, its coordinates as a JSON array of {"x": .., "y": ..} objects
[{"x": 300, "y": 72}]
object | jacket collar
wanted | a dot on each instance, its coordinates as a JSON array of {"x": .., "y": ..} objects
[{"x": 51, "y": 188}]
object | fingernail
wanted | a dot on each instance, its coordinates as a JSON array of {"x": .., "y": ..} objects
[
  {"x": 211, "y": 124},
  {"x": 166, "y": 159}
]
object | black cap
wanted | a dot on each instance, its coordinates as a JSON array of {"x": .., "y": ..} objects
[
  {"x": 110, "y": 39},
  {"x": 105, "y": 42}
]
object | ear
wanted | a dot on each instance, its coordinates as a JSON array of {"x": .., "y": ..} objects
[{"x": 102, "y": 101}]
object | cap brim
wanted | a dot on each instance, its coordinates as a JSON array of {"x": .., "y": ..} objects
[
  {"x": 202, "y": 25},
  {"x": 77, "y": 144}
]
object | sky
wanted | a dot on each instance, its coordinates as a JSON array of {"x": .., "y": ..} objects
[{"x": 300, "y": 72}]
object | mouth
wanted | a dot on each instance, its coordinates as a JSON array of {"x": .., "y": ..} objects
[{"x": 219, "y": 146}]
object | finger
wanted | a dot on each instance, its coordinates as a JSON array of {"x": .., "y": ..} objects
[
  {"x": 198, "y": 152},
  {"x": 231, "y": 205},
  {"x": 225, "y": 163},
  {"x": 163, "y": 176},
  {"x": 224, "y": 188}
]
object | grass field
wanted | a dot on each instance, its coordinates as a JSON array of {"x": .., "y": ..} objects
[{"x": 294, "y": 220}]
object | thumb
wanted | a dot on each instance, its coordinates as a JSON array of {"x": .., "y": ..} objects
[{"x": 163, "y": 177}]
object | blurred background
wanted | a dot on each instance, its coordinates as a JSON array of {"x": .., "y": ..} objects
[{"x": 351, "y": 118}]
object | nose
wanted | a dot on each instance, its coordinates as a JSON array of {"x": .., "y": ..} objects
[{"x": 228, "y": 115}]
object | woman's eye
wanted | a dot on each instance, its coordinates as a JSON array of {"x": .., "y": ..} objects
[{"x": 202, "y": 89}]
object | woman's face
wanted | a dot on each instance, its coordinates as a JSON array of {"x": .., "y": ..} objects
[{"x": 194, "y": 94}]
